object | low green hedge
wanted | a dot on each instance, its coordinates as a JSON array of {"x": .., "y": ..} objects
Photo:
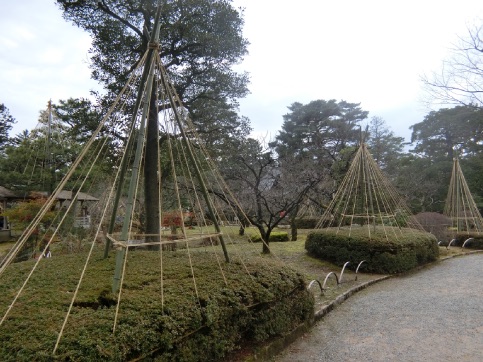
[
  {"x": 198, "y": 322},
  {"x": 306, "y": 222},
  {"x": 274, "y": 236},
  {"x": 476, "y": 243},
  {"x": 410, "y": 249}
]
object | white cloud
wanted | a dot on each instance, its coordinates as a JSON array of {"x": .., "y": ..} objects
[
  {"x": 43, "y": 57},
  {"x": 370, "y": 51},
  {"x": 51, "y": 56}
]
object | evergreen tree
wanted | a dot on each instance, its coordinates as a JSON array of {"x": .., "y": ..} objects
[
  {"x": 320, "y": 130},
  {"x": 6, "y": 123},
  {"x": 385, "y": 147},
  {"x": 200, "y": 41},
  {"x": 443, "y": 132}
]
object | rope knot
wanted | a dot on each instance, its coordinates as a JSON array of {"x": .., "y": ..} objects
[{"x": 153, "y": 46}]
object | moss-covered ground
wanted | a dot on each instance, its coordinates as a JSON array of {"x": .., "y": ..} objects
[{"x": 96, "y": 304}]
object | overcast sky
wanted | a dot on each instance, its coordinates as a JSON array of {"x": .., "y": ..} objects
[{"x": 361, "y": 51}]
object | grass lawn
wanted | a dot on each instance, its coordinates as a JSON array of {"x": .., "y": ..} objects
[
  {"x": 293, "y": 254},
  {"x": 290, "y": 253}
]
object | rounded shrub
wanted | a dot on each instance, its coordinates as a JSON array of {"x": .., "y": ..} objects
[
  {"x": 475, "y": 242},
  {"x": 247, "y": 304},
  {"x": 406, "y": 249},
  {"x": 274, "y": 236},
  {"x": 306, "y": 222}
]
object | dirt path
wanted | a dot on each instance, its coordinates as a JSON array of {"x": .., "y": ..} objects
[{"x": 435, "y": 314}]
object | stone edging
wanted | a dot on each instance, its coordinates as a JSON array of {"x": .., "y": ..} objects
[
  {"x": 275, "y": 347},
  {"x": 272, "y": 349},
  {"x": 344, "y": 296}
]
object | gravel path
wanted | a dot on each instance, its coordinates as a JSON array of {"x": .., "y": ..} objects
[{"x": 435, "y": 314}]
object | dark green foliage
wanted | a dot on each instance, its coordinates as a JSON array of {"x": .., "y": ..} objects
[
  {"x": 323, "y": 127},
  {"x": 446, "y": 130},
  {"x": 381, "y": 255},
  {"x": 6, "y": 123},
  {"x": 306, "y": 222},
  {"x": 443, "y": 135},
  {"x": 274, "y": 236},
  {"x": 200, "y": 42},
  {"x": 269, "y": 301},
  {"x": 476, "y": 243}
]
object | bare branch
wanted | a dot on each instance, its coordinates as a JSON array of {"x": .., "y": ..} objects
[
  {"x": 460, "y": 81},
  {"x": 104, "y": 7}
]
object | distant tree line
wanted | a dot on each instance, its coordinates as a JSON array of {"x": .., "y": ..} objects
[{"x": 274, "y": 179}]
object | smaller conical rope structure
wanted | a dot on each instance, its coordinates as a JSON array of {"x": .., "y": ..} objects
[
  {"x": 308, "y": 210},
  {"x": 366, "y": 199},
  {"x": 460, "y": 206},
  {"x": 42, "y": 145}
]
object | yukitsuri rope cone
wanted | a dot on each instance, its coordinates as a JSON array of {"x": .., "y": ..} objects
[
  {"x": 460, "y": 206},
  {"x": 366, "y": 199},
  {"x": 184, "y": 170}
]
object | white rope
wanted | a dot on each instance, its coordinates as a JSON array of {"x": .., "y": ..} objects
[
  {"x": 81, "y": 278},
  {"x": 52, "y": 199},
  {"x": 365, "y": 185}
]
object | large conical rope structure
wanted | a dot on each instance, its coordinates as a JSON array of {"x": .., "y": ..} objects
[
  {"x": 460, "y": 206},
  {"x": 186, "y": 181},
  {"x": 366, "y": 199}
]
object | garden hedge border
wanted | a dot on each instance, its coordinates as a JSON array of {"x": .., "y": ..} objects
[
  {"x": 268, "y": 302},
  {"x": 476, "y": 243},
  {"x": 382, "y": 256}
]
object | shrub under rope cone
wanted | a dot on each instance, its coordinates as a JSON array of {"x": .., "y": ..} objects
[
  {"x": 270, "y": 300},
  {"x": 474, "y": 240},
  {"x": 382, "y": 254}
]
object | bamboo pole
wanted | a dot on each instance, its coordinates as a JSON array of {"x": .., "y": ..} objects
[
  {"x": 199, "y": 176},
  {"x": 147, "y": 86}
]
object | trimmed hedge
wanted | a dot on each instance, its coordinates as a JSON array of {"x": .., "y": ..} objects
[
  {"x": 251, "y": 307},
  {"x": 306, "y": 222},
  {"x": 274, "y": 236},
  {"x": 476, "y": 243},
  {"x": 409, "y": 250}
]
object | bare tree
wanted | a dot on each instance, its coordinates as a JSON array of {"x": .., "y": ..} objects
[
  {"x": 460, "y": 80},
  {"x": 268, "y": 188}
]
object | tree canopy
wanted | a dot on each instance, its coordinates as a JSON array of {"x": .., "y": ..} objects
[
  {"x": 37, "y": 160},
  {"x": 6, "y": 123},
  {"x": 200, "y": 41},
  {"x": 460, "y": 81},
  {"x": 386, "y": 148},
  {"x": 319, "y": 129},
  {"x": 443, "y": 131},
  {"x": 424, "y": 175}
]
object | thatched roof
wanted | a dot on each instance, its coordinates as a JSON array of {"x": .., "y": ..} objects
[
  {"x": 6, "y": 194},
  {"x": 67, "y": 195},
  {"x": 64, "y": 195}
]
